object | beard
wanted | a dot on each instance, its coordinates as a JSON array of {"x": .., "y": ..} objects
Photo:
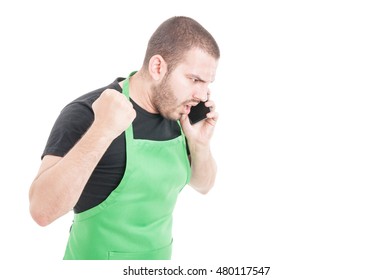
[{"x": 164, "y": 100}]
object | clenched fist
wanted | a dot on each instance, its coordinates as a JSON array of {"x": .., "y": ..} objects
[{"x": 113, "y": 113}]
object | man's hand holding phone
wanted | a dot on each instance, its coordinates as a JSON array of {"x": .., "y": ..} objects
[{"x": 199, "y": 124}]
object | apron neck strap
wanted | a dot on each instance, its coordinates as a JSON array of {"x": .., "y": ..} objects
[{"x": 125, "y": 89}]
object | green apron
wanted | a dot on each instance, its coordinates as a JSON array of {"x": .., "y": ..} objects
[{"x": 135, "y": 221}]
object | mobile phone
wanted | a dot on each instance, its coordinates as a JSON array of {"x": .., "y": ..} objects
[{"x": 198, "y": 112}]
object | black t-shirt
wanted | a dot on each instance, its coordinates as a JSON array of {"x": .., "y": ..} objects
[{"x": 73, "y": 122}]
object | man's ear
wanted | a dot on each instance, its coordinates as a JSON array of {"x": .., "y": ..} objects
[{"x": 157, "y": 67}]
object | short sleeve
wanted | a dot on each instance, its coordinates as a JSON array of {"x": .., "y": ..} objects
[{"x": 70, "y": 126}]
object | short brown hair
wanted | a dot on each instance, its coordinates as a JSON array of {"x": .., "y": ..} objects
[{"x": 177, "y": 35}]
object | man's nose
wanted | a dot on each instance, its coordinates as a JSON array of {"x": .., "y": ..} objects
[{"x": 202, "y": 94}]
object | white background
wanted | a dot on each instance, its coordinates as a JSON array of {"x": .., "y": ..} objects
[{"x": 303, "y": 142}]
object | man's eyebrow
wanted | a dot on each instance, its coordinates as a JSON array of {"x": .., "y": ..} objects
[{"x": 197, "y": 77}]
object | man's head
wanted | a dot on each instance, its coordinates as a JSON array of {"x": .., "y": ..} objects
[
  {"x": 181, "y": 58},
  {"x": 177, "y": 35}
]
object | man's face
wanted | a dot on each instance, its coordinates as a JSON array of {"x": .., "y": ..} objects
[{"x": 185, "y": 86}]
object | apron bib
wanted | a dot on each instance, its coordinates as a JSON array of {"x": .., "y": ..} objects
[{"x": 135, "y": 221}]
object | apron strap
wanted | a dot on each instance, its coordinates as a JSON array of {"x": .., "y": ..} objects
[
  {"x": 129, "y": 130},
  {"x": 125, "y": 89}
]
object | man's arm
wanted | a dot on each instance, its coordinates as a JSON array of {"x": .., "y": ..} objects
[
  {"x": 203, "y": 168},
  {"x": 203, "y": 165},
  {"x": 61, "y": 180}
]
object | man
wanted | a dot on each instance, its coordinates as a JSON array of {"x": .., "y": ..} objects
[{"x": 118, "y": 156}]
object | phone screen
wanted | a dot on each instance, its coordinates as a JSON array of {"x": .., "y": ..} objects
[{"x": 198, "y": 113}]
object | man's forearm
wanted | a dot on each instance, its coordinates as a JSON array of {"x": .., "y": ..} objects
[{"x": 203, "y": 168}]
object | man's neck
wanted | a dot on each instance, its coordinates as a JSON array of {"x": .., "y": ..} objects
[{"x": 139, "y": 91}]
